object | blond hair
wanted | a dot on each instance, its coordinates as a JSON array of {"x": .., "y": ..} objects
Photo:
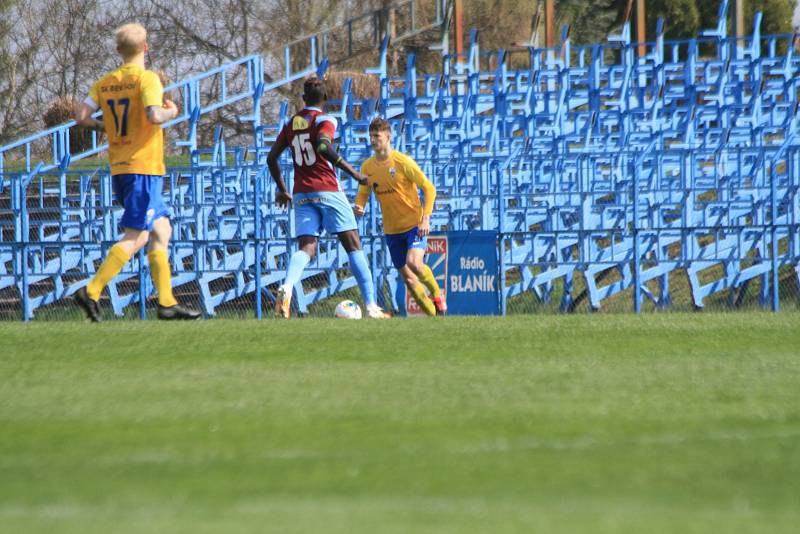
[{"x": 130, "y": 39}]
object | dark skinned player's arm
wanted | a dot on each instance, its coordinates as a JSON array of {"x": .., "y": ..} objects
[
  {"x": 272, "y": 162},
  {"x": 326, "y": 150}
]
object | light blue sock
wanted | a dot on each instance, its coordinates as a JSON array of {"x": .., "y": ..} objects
[
  {"x": 360, "y": 268},
  {"x": 297, "y": 263}
]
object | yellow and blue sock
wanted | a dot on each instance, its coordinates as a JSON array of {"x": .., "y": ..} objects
[
  {"x": 429, "y": 281},
  {"x": 360, "y": 267},
  {"x": 111, "y": 266},
  {"x": 162, "y": 277},
  {"x": 418, "y": 292}
]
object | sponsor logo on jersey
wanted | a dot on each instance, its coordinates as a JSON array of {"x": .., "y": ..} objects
[
  {"x": 117, "y": 88},
  {"x": 299, "y": 123}
]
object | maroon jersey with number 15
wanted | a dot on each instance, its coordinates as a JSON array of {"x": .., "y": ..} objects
[{"x": 312, "y": 172}]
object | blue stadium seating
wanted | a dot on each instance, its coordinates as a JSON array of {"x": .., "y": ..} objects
[{"x": 598, "y": 168}]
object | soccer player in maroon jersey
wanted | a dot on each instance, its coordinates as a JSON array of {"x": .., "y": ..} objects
[{"x": 319, "y": 202}]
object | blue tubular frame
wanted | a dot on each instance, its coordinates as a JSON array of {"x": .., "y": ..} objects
[
  {"x": 254, "y": 87},
  {"x": 625, "y": 173},
  {"x": 191, "y": 110}
]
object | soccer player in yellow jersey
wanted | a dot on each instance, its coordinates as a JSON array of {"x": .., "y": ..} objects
[
  {"x": 133, "y": 105},
  {"x": 395, "y": 179}
]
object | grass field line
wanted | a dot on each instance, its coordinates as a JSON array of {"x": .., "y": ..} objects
[
  {"x": 344, "y": 510},
  {"x": 503, "y": 445},
  {"x": 496, "y": 446},
  {"x": 588, "y": 442}
]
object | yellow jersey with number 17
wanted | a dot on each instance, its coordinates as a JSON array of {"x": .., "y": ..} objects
[{"x": 135, "y": 145}]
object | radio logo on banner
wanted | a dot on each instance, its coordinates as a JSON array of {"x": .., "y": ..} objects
[{"x": 436, "y": 258}]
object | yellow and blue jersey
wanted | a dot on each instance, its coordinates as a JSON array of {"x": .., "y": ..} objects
[
  {"x": 135, "y": 145},
  {"x": 396, "y": 182}
]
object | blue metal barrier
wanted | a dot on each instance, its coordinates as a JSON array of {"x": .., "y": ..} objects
[{"x": 605, "y": 179}]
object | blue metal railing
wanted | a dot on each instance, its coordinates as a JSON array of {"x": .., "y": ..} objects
[
  {"x": 624, "y": 174},
  {"x": 237, "y": 81}
]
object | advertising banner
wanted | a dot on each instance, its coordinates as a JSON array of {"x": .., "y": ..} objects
[{"x": 465, "y": 265}]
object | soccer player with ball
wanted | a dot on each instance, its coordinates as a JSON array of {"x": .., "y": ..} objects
[
  {"x": 395, "y": 178},
  {"x": 319, "y": 202}
]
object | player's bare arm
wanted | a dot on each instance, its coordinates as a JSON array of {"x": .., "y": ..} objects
[
  {"x": 326, "y": 150},
  {"x": 282, "y": 197},
  {"x": 362, "y": 196},
  {"x": 84, "y": 118},
  {"x": 160, "y": 115},
  {"x": 425, "y": 226}
]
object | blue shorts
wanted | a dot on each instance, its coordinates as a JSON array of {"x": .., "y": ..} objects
[
  {"x": 140, "y": 195},
  {"x": 400, "y": 244},
  {"x": 327, "y": 210}
]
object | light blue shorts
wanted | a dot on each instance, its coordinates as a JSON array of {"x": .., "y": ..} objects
[{"x": 327, "y": 210}]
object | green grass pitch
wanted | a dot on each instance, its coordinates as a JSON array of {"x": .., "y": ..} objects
[{"x": 591, "y": 423}]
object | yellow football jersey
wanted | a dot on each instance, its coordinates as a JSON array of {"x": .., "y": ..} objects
[
  {"x": 395, "y": 182},
  {"x": 135, "y": 145}
]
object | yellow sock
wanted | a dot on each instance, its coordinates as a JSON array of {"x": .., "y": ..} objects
[
  {"x": 429, "y": 281},
  {"x": 418, "y": 292},
  {"x": 162, "y": 277},
  {"x": 112, "y": 265}
]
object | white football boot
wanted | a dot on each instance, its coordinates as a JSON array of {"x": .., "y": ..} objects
[{"x": 375, "y": 312}]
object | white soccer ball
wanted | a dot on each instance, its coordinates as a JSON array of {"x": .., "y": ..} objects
[{"x": 347, "y": 309}]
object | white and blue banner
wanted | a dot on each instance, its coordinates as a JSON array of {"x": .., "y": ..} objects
[{"x": 466, "y": 267}]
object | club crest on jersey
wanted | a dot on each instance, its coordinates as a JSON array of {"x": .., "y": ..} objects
[
  {"x": 392, "y": 172},
  {"x": 299, "y": 123}
]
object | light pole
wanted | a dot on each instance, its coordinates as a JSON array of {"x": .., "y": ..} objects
[{"x": 641, "y": 28}]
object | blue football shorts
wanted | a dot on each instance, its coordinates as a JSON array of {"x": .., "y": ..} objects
[
  {"x": 400, "y": 244},
  {"x": 140, "y": 195},
  {"x": 326, "y": 210}
]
